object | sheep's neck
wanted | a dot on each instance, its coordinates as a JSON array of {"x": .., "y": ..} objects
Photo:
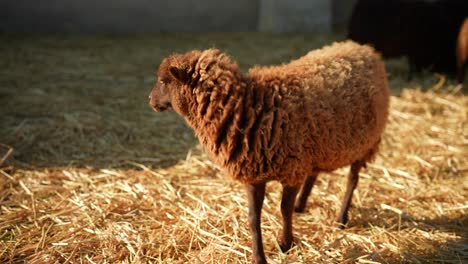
[
  {"x": 239, "y": 123},
  {"x": 224, "y": 116}
]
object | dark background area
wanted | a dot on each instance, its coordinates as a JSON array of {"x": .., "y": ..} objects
[{"x": 124, "y": 16}]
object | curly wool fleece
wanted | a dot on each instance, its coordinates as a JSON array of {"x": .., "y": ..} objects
[{"x": 320, "y": 112}]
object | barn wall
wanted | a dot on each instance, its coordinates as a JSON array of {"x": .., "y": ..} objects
[
  {"x": 128, "y": 16},
  {"x": 341, "y": 13},
  {"x": 295, "y": 16}
]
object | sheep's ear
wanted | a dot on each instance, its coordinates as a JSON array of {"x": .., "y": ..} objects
[{"x": 180, "y": 73}]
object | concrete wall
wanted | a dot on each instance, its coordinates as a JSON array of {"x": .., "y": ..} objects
[
  {"x": 129, "y": 16},
  {"x": 341, "y": 13},
  {"x": 295, "y": 15}
]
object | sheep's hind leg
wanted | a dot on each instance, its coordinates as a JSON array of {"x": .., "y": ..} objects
[
  {"x": 256, "y": 194},
  {"x": 287, "y": 208},
  {"x": 353, "y": 178},
  {"x": 304, "y": 193}
]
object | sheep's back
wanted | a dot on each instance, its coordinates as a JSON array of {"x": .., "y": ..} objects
[
  {"x": 334, "y": 105},
  {"x": 347, "y": 104}
]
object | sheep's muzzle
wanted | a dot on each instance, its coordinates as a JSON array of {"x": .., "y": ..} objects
[{"x": 157, "y": 106}]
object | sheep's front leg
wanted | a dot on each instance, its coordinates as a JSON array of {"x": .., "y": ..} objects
[
  {"x": 287, "y": 208},
  {"x": 353, "y": 178},
  {"x": 305, "y": 192},
  {"x": 255, "y": 194}
]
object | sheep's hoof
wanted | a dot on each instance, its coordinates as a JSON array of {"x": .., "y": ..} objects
[
  {"x": 341, "y": 226},
  {"x": 285, "y": 247},
  {"x": 342, "y": 222}
]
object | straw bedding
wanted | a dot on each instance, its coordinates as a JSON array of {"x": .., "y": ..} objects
[{"x": 95, "y": 177}]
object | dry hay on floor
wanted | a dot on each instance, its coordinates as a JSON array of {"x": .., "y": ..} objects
[
  {"x": 410, "y": 206},
  {"x": 96, "y": 177}
]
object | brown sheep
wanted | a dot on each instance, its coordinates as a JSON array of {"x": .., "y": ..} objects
[
  {"x": 286, "y": 123},
  {"x": 423, "y": 31},
  {"x": 462, "y": 51}
]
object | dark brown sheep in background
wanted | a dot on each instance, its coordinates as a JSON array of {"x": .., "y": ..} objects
[
  {"x": 462, "y": 51},
  {"x": 287, "y": 123},
  {"x": 424, "y": 31}
]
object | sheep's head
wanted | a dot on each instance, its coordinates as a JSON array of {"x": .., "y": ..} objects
[{"x": 174, "y": 74}]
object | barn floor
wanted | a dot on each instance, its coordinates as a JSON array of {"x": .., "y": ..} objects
[{"x": 96, "y": 177}]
